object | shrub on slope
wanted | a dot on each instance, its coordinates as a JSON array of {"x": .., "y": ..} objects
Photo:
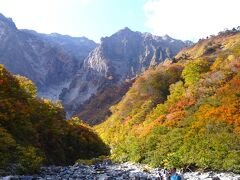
[{"x": 185, "y": 114}]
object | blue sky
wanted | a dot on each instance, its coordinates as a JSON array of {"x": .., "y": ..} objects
[
  {"x": 181, "y": 19},
  {"x": 90, "y": 18}
]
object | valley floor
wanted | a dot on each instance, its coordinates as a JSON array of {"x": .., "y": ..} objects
[{"x": 109, "y": 171}]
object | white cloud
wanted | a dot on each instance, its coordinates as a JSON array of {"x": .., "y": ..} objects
[
  {"x": 29, "y": 13},
  {"x": 43, "y": 15},
  {"x": 85, "y": 2},
  {"x": 191, "y": 19}
]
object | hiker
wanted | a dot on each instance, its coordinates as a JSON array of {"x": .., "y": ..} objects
[{"x": 174, "y": 175}]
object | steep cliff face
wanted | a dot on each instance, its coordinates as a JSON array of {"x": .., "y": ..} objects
[
  {"x": 118, "y": 58},
  {"x": 126, "y": 53},
  {"x": 51, "y": 61}
]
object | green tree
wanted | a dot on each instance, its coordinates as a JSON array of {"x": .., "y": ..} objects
[{"x": 192, "y": 71}]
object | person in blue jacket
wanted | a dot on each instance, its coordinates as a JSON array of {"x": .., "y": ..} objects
[{"x": 174, "y": 175}]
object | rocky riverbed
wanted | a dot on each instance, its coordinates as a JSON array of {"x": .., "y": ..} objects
[{"x": 108, "y": 171}]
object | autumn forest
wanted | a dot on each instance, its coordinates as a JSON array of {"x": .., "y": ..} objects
[{"x": 183, "y": 112}]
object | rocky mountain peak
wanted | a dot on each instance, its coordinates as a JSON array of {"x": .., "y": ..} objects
[
  {"x": 125, "y": 30},
  {"x": 127, "y": 53},
  {"x": 166, "y": 37},
  {"x": 50, "y": 61},
  {"x": 119, "y": 35},
  {"x": 6, "y": 22},
  {"x": 119, "y": 57}
]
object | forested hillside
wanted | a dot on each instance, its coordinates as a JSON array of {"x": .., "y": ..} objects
[
  {"x": 185, "y": 113},
  {"x": 33, "y": 131}
]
